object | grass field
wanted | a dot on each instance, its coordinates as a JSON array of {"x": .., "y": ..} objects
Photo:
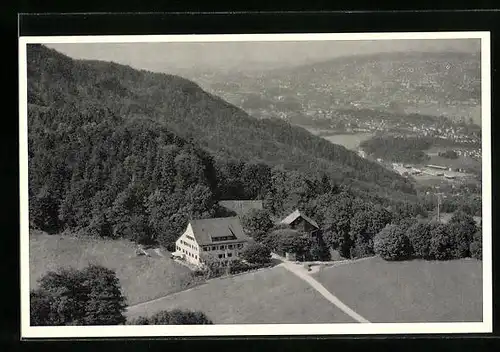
[
  {"x": 350, "y": 141},
  {"x": 411, "y": 291},
  {"x": 268, "y": 296},
  {"x": 142, "y": 278}
]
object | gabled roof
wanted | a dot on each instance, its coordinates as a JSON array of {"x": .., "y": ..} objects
[
  {"x": 297, "y": 214},
  {"x": 206, "y": 230},
  {"x": 241, "y": 207}
]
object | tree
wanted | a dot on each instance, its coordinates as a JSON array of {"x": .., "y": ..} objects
[
  {"x": 174, "y": 317},
  {"x": 476, "y": 246},
  {"x": 337, "y": 221},
  {"x": 44, "y": 211},
  {"x": 392, "y": 244},
  {"x": 41, "y": 311},
  {"x": 257, "y": 223},
  {"x": 91, "y": 296},
  {"x": 419, "y": 235},
  {"x": 319, "y": 249},
  {"x": 256, "y": 253},
  {"x": 462, "y": 227},
  {"x": 105, "y": 302},
  {"x": 291, "y": 241},
  {"x": 364, "y": 226},
  {"x": 442, "y": 244},
  {"x": 407, "y": 210}
]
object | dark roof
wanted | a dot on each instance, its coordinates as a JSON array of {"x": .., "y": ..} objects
[
  {"x": 205, "y": 230},
  {"x": 297, "y": 214},
  {"x": 241, "y": 207}
]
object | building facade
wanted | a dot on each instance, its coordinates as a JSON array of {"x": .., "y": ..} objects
[{"x": 218, "y": 240}]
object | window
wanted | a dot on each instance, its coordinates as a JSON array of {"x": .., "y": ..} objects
[
  {"x": 205, "y": 249},
  {"x": 223, "y": 238},
  {"x": 230, "y": 246},
  {"x": 230, "y": 255},
  {"x": 222, "y": 247},
  {"x": 213, "y": 248},
  {"x": 221, "y": 256},
  {"x": 195, "y": 257}
]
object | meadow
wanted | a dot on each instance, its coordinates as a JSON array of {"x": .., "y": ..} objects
[
  {"x": 409, "y": 291},
  {"x": 267, "y": 296},
  {"x": 142, "y": 278}
]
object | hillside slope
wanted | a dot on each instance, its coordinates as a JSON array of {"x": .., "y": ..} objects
[{"x": 57, "y": 81}]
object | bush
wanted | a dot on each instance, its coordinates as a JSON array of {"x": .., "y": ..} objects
[
  {"x": 463, "y": 227},
  {"x": 476, "y": 246},
  {"x": 174, "y": 317},
  {"x": 319, "y": 249},
  {"x": 256, "y": 253},
  {"x": 91, "y": 296},
  {"x": 392, "y": 244},
  {"x": 442, "y": 245},
  {"x": 419, "y": 235}
]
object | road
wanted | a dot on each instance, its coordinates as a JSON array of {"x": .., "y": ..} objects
[{"x": 304, "y": 274}]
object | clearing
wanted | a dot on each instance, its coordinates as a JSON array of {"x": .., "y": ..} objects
[
  {"x": 267, "y": 296},
  {"x": 142, "y": 278},
  {"x": 409, "y": 291}
]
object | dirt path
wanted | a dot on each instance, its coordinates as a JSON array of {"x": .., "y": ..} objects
[{"x": 302, "y": 273}]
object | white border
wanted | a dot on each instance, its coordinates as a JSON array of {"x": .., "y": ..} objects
[{"x": 263, "y": 329}]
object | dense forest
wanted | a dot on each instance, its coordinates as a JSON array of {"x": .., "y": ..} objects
[
  {"x": 398, "y": 149},
  {"x": 118, "y": 152}
]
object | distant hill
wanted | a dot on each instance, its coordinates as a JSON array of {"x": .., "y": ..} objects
[
  {"x": 182, "y": 107},
  {"x": 436, "y": 84}
]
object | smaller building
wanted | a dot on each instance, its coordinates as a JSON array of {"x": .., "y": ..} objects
[{"x": 299, "y": 221}]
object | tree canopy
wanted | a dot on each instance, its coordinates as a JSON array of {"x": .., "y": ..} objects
[{"x": 91, "y": 296}]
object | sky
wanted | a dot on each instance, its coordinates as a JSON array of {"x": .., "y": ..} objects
[{"x": 179, "y": 57}]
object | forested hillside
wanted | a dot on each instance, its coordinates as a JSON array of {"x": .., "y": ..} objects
[{"x": 124, "y": 153}]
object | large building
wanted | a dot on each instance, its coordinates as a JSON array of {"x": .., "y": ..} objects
[{"x": 219, "y": 240}]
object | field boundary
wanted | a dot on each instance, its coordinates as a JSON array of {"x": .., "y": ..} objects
[{"x": 199, "y": 285}]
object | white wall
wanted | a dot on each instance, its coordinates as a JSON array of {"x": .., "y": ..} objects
[{"x": 188, "y": 247}]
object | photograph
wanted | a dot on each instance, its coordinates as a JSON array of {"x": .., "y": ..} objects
[{"x": 270, "y": 184}]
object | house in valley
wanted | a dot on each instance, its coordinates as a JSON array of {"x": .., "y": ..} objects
[
  {"x": 241, "y": 207},
  {"x": 219, "y": 240}
]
